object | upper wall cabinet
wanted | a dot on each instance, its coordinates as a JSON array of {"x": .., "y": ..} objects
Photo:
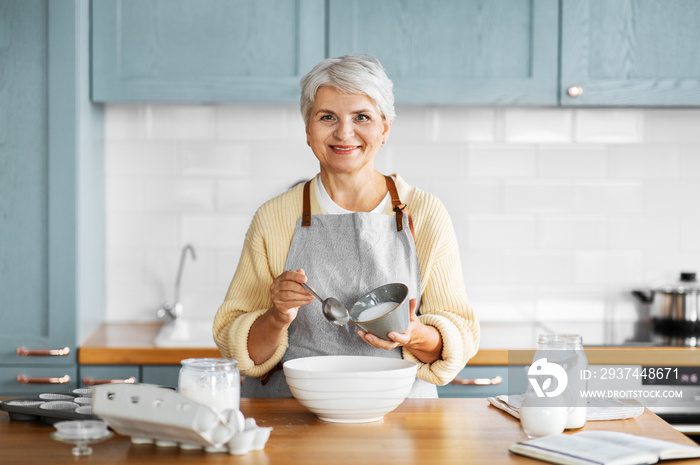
[
  {"x": 630, "y": 53},
  {"x": 204, "y": 51},
  {"x": 455, "y": 51}
]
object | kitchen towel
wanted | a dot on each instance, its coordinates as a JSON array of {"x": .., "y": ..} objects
[{"x": 597, "y": 409}]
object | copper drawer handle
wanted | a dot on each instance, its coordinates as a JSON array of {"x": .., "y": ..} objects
[
  {"x": 97, "y": 382},
  {"x": 53, "y": 352},
  {"x": 21, "y": 379},
  {"x": 477, "y": 381}
]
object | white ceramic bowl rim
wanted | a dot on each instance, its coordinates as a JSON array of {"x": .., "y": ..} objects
[{"x": 346, "y": 365}]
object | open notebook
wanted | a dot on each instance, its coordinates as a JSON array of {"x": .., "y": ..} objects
[{"x": 602, "y": 448}]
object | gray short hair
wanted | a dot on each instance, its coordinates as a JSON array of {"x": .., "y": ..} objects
[{"x": 353, "y": 74}]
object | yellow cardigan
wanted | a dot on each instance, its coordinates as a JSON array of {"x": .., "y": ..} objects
[{"x": 444, "y": 302}]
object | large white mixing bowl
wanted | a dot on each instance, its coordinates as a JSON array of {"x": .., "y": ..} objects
[{"x": 350, "y": 389}]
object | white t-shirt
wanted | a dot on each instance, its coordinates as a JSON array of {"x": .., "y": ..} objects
[{"x": 329, "y": 207}]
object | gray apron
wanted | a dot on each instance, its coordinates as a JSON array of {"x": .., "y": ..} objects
[{"x": 344, "y": 256}]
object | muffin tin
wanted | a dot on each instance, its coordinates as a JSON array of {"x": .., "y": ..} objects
[{"x": 51, "y": 407}]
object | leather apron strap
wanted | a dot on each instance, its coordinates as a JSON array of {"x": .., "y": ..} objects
[{"x": 398, "y": 207}]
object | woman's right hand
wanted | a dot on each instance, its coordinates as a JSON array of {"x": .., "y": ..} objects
[{"x": 288, "y": 295}]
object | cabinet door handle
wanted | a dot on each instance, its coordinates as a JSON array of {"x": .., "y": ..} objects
[
  {"x": 96, "y": 382},
  {"x": 477, "y": 381},
  {"x": 21, "y": 379},
  {"x": 574, "y": 91},
  {"x": 52, "y": 352}
]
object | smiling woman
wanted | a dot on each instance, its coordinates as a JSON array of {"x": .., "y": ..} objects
[{"x": 347, "y": 231}]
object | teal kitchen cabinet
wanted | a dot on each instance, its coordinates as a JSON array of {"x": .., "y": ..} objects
[
  {"x": 455, "y": 51},
  {"x": 51, "y": 270},
  {"x": 94, "y": 375},
  {"x": 630, "y": 53},
  {"x": 486, "y": 381},
  {"x": 204, "y": 51},
  {"x": 162, "y": 375}
]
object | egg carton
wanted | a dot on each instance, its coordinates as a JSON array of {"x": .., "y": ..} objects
[{"x": 151, "y": 414}]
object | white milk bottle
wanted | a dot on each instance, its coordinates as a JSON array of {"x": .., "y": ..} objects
[{"x": 566, "y": 350}]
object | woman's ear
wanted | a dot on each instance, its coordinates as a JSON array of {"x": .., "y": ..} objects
[{"x": 387, "y": 128}]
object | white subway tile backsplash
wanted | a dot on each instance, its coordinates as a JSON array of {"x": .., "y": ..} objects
[
  {"x": 178, "y": 195},
  {"x": 644, "y": 162},
  {"x": 572, "y": 161},
  {"x": 535, "y": 267},
  {"x": 690, "y": 161},
  {"x": 123, "y": 194},
  {"x": 572, "y": 304},
  {"x": 262, "y": 122},
  {"x": 609, "y": 126},
  {"x": 648, "y": 232},
  {"x": 501, "y": 160},
  {"x": 214, "y": 160},
  {"x": 136, "y": 159},
  {"x": 690, "y": 233},
  {"x": 679, "y": 125},
  {"x": 568, "y": 232},
  {"x": 673, "y": 197},
  {"x": 504, "y": 303},
  {"x": 608, "y": 268},
  {"x": 142, "y": 229},
  {"x": 559, "y": 213},
  {"x": 412, "y": 124},
  {"x": 482, "y": 267},
  {"x": 501, "y": 232},
  {"x": 421, "y": 160},
  {"x": 180, "y": 122},
  {"x": 542, "y": 196},
  {"x": 290, "y": 161},
  {"x": 469, "y": 125},
  {"x": 608, "y": 196},
  {"x": 537, "y": 125},
  {"x": 125, "y": 122},
  {"x": 215, "y": 230}
]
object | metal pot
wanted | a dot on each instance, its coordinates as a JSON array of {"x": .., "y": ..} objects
[{"x": 674, "y": 311}]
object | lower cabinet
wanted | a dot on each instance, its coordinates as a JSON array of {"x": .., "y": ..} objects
[
  {"x": 27, "y": 381},
  {"x": 486, "y": 381},
  {"x": 163, "y": 375}
]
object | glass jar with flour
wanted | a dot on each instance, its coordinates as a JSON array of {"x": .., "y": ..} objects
[{"x": 211, "y": 381}]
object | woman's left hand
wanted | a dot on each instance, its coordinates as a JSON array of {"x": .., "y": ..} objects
[{"x": 423, "y": 341}]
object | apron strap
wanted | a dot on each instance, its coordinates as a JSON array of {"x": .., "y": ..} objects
[
  {"x": 306, "y": 212},
  {"x": 399, "y": 207}
]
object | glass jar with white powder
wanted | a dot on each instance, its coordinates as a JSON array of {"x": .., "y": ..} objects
[{"x": 211, "y": 381}]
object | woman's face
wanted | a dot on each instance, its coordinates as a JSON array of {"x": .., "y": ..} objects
[{"x": 345, "y": 131}]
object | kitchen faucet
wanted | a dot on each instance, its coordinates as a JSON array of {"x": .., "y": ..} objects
[{"x": 173, "y": 311}]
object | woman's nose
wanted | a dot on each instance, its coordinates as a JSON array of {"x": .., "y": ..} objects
[{"x": 344, "y": 130}]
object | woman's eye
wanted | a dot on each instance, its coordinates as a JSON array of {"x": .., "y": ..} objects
[
  {"x": 362, "y": 117},
  {"x": 327, "y": 118}
]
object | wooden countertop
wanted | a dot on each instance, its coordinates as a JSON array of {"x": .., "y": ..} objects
[
  {"x": 132, "y": 344},
  {"x": 419, "y": 431}
]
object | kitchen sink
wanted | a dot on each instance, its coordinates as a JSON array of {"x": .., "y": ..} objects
[{"x": 186, "y": 333}]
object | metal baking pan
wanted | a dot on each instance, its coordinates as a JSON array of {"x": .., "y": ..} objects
[{"x": 51, "y": 407}]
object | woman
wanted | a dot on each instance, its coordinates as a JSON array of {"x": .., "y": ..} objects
[{"x": 346, "y": 232}]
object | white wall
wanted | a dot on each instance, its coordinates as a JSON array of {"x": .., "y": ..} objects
[{"x": 559, "y": 212}]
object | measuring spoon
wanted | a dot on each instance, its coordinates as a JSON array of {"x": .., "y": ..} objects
[{"x": 333, "y": 309}]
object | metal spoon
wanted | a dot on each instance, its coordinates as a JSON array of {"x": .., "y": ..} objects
[{"x": 333, "y": 309}]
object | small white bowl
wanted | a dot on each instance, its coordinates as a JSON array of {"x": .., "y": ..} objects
[{"x": 350, "y": 389}]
